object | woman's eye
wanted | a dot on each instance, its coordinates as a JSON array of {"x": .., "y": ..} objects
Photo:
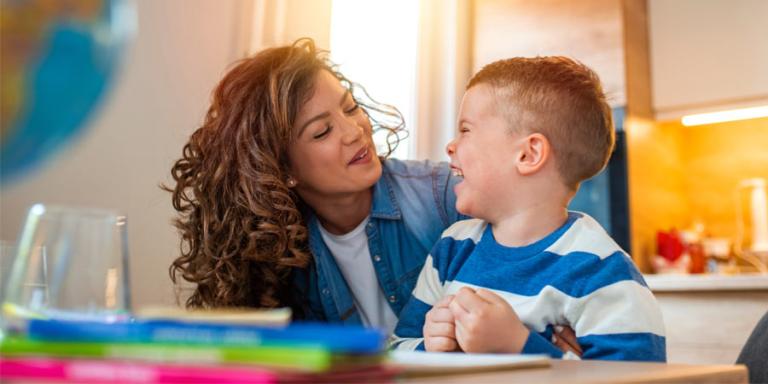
[
  {"x": 323, "y": 132},
  {"x": 352, "y": 110}
]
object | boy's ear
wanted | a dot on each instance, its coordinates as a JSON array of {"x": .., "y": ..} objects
[{"x": 533, "y": 154}]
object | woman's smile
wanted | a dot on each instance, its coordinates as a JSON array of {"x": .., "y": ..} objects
[{"x": 363, "y": 156}]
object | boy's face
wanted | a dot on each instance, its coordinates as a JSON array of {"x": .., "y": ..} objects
[{"x": 484, "y": 154}]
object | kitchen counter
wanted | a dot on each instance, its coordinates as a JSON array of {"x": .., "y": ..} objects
[{"x": 707, "y": 282}]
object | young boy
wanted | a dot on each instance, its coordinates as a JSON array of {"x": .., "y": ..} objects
[{"x": 530, "y": 130}]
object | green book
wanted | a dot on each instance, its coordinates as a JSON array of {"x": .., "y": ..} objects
[{"x": 304, "y": 358}]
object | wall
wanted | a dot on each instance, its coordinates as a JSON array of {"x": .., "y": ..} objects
[
  {"x": 656, "y": 184},
  {"x": 181, "y": 50},
  {"x": 444, "y": 68},
  {"x": 678, "y": 175},
  {"x": 717, "y": 157}
]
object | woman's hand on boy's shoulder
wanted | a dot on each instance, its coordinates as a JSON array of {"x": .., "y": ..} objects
[{"x": 486, "y": 323}]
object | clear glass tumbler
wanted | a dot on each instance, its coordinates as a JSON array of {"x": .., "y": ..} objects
[{"x": 71, "y": 263}]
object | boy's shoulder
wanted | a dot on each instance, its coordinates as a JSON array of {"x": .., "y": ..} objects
[
  {"x": 471, "y": 229},
  {"x": 585, "y": 235},
  {"x": 589, "y": 255},
  {"x": 455, "y": 246}
]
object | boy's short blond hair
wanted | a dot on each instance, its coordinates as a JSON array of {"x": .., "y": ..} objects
[{"x": 560, "y": 98}]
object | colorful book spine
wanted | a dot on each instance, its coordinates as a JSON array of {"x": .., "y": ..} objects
[
  {"x": 335, "y": 338},
  {"x": 34, "y": 369},
  {"x": 101, "y": 371},
  {"x": 307, "y": 359}
]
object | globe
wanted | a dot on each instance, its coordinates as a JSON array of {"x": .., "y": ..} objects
[{"x": 58, "y": 60}]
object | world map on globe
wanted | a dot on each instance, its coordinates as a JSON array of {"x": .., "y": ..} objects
[{"x": 59, "y": 58}]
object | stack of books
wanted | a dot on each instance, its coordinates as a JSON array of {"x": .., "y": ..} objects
[{"x": 179, "y": 351}]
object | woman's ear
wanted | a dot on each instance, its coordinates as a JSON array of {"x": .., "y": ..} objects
[{"x": 534, "y": 154}]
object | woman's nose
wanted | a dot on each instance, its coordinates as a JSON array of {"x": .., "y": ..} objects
[{"x": 353, "y": 131}]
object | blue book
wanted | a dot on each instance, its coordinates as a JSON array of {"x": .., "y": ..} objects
[{"x": 334, "y": 338}]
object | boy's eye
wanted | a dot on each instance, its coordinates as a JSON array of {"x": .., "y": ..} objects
[
  {"x": 324, "y": 132},
  {"x": 463, "y": 129}
]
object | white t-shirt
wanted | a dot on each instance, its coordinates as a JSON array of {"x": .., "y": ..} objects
[{"x": 354, "y": 259}]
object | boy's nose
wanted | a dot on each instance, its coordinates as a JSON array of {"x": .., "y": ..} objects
[{"x": 450, "y": 149}]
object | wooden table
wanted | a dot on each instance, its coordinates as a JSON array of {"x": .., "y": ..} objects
[{"x": 565, "y": 371}]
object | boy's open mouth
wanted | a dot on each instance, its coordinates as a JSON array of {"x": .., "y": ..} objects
[{"x": 457, "y": 171}]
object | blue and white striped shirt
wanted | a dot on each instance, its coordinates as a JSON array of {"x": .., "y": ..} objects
[{"x": 576, "y": 276}]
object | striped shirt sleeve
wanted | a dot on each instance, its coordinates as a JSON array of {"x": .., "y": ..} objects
[
  {"x": 607, "y": 303},
  {"x": 621, "y": 321}
]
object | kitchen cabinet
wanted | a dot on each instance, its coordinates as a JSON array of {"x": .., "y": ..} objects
[
  {"x": 587, "y": 30},
  {"x": 707, "y": 55},
  {"x": 708, "y": 318}
]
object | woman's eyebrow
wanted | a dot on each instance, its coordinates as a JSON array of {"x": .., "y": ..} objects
[
  {"x": 312, "y": 120},
  {"x": 322, "y": 115}
]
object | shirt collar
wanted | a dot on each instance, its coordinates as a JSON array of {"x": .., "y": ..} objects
[{"x": 384, "y": 203}]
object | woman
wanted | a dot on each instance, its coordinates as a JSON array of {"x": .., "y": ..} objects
[
  {"x": 754, "y": 354},
  {"x": 283, "y": 201}
]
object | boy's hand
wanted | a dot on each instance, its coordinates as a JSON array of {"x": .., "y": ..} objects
[
  {"x": 486, "y": 323},
  {"x": 439, "y": 330}
]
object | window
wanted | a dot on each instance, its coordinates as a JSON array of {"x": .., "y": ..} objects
[{"x": 375, "y": 45}]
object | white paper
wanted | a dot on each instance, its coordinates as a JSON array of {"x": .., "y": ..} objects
[{"x": 456, "y": 361}]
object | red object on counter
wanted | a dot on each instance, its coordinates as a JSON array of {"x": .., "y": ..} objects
[
  {"x": 669, "y": 245},
  {"x": 698, "y": 258}
]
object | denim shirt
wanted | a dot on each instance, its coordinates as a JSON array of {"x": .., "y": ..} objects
[{"x": 413, "y": 202}]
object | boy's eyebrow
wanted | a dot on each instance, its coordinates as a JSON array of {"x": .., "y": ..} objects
[{"x": 321, "y": 115}]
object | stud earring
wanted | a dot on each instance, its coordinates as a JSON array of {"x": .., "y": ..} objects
[{"x": 291, "y": 182}]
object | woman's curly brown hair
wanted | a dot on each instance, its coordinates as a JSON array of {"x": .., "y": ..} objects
[{"x": 242, "y": 229}]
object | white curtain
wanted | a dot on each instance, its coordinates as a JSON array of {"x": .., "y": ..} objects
[{"x": 444, "y": 67}]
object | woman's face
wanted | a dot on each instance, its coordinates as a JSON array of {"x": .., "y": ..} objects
[{"x": 332, "y": 154}]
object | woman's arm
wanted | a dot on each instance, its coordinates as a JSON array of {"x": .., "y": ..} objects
[{"x": 428, "y": 292}]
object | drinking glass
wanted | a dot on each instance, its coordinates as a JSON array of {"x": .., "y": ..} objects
[
  {"x": 71, "y": 263},
  {"x": 7, "y": 254}
]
